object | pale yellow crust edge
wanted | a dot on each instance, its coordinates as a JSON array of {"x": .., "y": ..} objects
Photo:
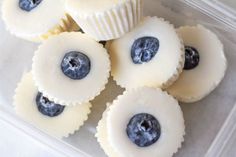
[{"x": 21, "y": 112}]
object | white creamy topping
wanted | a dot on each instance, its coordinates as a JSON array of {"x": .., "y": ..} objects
[
  {"x": 144, "y": 100},
  {"x": 58, "y": 87},
  {"x": 60, "y": 126},
  {"x": 164, "y": 66},
  {"x": 195, "y": 84},
  {"x": 38, "y": 21}
]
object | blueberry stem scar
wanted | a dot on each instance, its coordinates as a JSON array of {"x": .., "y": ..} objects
[
  {"x": 143, "y": 129},
  {"x": 75, "y": 65}
]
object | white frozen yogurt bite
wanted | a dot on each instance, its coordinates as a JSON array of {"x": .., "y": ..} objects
[
  {"x": 105, "y": 19},
  {"x": 36, "y": 20},
  {"x": 150, "y": 55},
  {"x": 205, "y": 64},
  {"x": 53, "y": 118},
  {"x": 71, "y": 68},
  {"x": 142, "y": 122}
]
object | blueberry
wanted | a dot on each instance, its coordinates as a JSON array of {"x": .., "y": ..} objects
[
  {"x": 192, "y": 58},
  {"x": 75, "y": 65},
  {"x": 143, "y": 129},
  {"x": 144, "y": 49},
  {"x": 28, "y": 5},
  {"x": 47, "y": 107}
]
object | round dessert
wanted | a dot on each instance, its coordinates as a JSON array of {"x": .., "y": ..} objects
[
  {"x": 106, "y": 19},
  {"x": 151, "y": 55},
  {"x": 151, "y": 124},
  {"x": 205, "y": 64},
  {"x": 71, "y": 68},
  {"x": 36, "y": 20},
  {"x": 53, "y": 118}
]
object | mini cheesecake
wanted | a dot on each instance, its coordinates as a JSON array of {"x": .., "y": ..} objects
[
  {"x": 55, "y": 119},
  {"x": 142, "y": 122},
  {"x": 205, "y": 64},
  {"x": 71, "y": 68},
  {"x": 36, "y": 20},
  {"x": 150, "y": 55},
  {"x": 106, "y": 19}
]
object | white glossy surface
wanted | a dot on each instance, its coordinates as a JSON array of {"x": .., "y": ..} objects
[
  {"x": 191, "y": 87},
  {"x": 50, "y": 79},
  {"x": 154, "y": 102},
  {"x": 59, "y": 126},
  {"x": 151, "y": 74},
  {"x": 37, "y": 22}
]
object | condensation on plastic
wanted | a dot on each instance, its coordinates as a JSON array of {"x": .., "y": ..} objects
[
  {"x": 209, "y": 123},
  {"x": 217, "y": 10},
  {"x": 224, "y": 143}
]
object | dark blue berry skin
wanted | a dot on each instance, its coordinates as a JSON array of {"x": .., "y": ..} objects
[
  {"x": 144, "y": 49},
  {"x": 75, "y": 65},
  {"x": 28, "y": 5},
  {"x": 47, "y": 107},
  {"x": 143, "y": 130},
  {"x": 192, "y": 58}
]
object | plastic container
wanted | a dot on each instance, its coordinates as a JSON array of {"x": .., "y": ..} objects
[{"x": 209, "y": 123}]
